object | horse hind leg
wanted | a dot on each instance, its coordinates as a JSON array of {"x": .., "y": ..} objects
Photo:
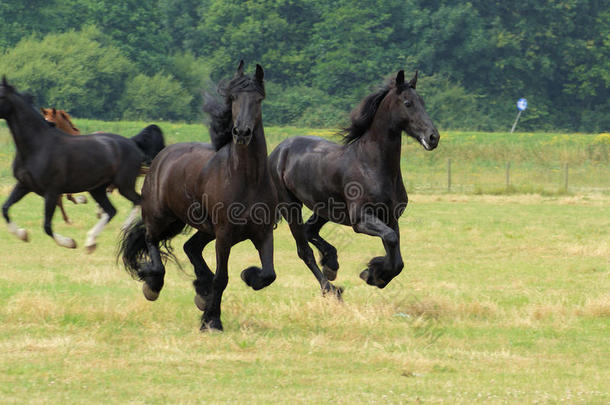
[
  {"x": 329, "y": 260},
  {"x": 130, "y": 193},
  {"x": 99, "y": 195},
  {"x": 305, "y": 252},
  {"x": 19, "y": 191}
]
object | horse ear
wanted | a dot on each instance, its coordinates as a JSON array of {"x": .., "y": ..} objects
[
  {"x": 400, "y": 78},
  {"x": 413, "y": 82},
  {"x": 4, "y": 82},
  {"x": 259, "y": 75},
  {"x": 54, "y": 112},
  {"x": 240, "y": 69}
]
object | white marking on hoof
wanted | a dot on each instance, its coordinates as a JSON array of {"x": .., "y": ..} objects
[
  {"x": 90, "y": 243},
  {"x": 131, "y": 217},
  {"x": 64, "y": 241},
  {"x": 148, "y": 293},
  {"x": 18, "y": 232}
]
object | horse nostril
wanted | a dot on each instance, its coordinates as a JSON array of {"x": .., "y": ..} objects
[
  {"x": 235, "y": 131},
  {"x": 434, "y": 137},
  {"x": 247, "y": 132}
]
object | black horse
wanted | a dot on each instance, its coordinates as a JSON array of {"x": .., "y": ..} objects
[
  {"x": 223, "y": 190},
  {"x": 357, "y": 184},
  {"x": 50, "y": 162}
]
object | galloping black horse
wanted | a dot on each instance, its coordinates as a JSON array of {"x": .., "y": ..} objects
[
  {"x": 357, "y": 184},
  {"x": 50, "y": 162},
  {"x": 223, "y": 190}
]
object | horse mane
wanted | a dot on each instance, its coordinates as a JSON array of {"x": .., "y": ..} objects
[
  {"x": 28, "y": 99},
  {"x": 363, "y": 115},
  {"x": 218, "y": 106}
]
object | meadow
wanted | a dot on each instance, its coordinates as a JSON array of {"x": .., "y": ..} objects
[{"x": 503, "y": 299}]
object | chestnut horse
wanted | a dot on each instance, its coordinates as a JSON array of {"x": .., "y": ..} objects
[
  {"x": 223, "y": 190},
  {"x": 358, "y": 184}
]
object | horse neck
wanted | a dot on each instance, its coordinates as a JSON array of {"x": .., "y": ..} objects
[
  {"x": 382, "y": 143},
  {"x": 251, "y": 160},
  {"x": 27, "y": 130},
  {"x": 67, "y": 127}
]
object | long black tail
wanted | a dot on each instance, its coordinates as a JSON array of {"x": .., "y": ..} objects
[
  {"x": 150, "y": 140},
  {"x": 132, "y": 247},
  {"x": 134, "y": 252}
]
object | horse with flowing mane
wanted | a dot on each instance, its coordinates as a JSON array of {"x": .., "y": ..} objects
[
  {"x": 358, "y": 184},
  {"x": 50, "y": 162},
  {"x": 223, "y": 190}
]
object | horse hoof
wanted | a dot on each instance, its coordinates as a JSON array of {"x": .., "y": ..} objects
[
  {"x": 335, "y": 292},
  {"x": 148, "y": 293},
  {"x": 329, "y": 273},
  {"x": 211, "y": 325},
  {"x": 200, "y": 302},
  {"x": 81, "y": 199},
  {"x": 365, "y": 275},
  {"x": 23, "y": 235},
  {"x": 91, "y": 248},
  {"x": 65, "y": 242}
]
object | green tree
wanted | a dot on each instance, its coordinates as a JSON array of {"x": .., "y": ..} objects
[
  {"x": 157, "y": 97},
  {"x": 71, "y": 71}
]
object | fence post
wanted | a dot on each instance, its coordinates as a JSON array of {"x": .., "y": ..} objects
[
  {"x": 507, "y": 175},
  {"x": 565, "y": 176},
  {"x": 449, "y": 175}
]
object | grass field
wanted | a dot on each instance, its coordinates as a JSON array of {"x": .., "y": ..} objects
[{"x": 504, "y": 299}]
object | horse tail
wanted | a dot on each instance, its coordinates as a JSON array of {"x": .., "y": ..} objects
[
  {"x": 150, "y": 141},
  {"x": 132, "y": 247},
  {"x": 133, "y": 250}
]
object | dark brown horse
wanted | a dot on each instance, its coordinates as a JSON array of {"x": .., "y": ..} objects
[
  {"x": 358, "y": 184},
  {"x": 62, "y": 121},
  {"x": 50, "y": 162},
  {"x": 223, "y": 190}
]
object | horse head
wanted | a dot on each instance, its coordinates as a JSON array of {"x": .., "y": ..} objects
[
  {"x": 246, "y": 94},
  {"x": 410, "y": 114}
]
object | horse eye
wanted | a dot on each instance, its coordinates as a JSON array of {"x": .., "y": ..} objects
[{"x": 408, "y": 103}]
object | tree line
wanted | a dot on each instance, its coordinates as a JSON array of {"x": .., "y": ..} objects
[{"x": 150, "y": 60}]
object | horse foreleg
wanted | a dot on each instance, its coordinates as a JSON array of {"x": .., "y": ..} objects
[
  {"x": 258, "y": 278},
  {"x": 60, "y": 204},
  {"x": 211, "y": 316},
  {"x": 381, "y": 270},
  {"x": 50, "y": 202},
  {"x": 19, "y": 191}
]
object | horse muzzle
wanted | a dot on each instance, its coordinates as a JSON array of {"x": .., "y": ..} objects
[
  {"x": 242, "y": 137},
  {"x": 430, "y": 141}
]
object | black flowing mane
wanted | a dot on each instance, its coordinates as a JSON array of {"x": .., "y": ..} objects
[
  {"x": 219, "y": 108},
  {"x": 363, "y": 115}
]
